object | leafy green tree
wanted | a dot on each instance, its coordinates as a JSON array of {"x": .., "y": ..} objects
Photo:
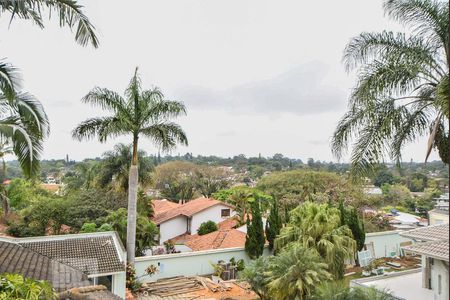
[
  {"x": 241, "y": 197},
  {"x": 209, "y": 180},
  {"x": 255, "y": 273},
  {"x": 89, "y": 227},
  {"x": 207, "y": 227},
  {"x": 402, "y": 90},
  {"x": 294, "y": 187},
  {"x": 22, "y": 193},
  {"x": 145, "y": 230},
  {"x": 255, "y": 240},
  {"x": 144, "y": 113},
  {"x": 47, "y": 213},
  {"x": 273, "y": 224},
  {"x": 318, "y": 226},
  {"x": 295, "y": 272},
  {"x": 175, "y": 180},
  {"x": 357, "y": 227},
  {"x": 383, "y": 176}
]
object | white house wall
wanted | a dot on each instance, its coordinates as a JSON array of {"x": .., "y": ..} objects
[
  {"x": 439, "y": 268},
  {"x": 172, "y": 228},
  {"x": 212, "y": 213}
]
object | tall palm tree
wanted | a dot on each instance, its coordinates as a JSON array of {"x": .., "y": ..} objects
[
  {"x": 402, "y": 90},
  {"x": 294, "y": 273},
  {"x": 318, "y": 226},
  {"x": 143, "y": 113}
]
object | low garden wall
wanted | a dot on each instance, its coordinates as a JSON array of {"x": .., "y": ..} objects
[{"x": 188, "y": 263}]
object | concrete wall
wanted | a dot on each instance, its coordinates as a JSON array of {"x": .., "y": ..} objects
[
  {"x": 210, "y": 214},
  {"x": 188, "y": 263},
  {"x": 119, "y": 284},
  {"x": 439, "y": 268},
  {"x": 172, "y": 228},
  {"x": 385, "y": 242}
]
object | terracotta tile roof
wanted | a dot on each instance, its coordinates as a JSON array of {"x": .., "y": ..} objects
[
  {"x": 229, "y": 223},
  {"x": 163, "y": 205},
  {"x": 435, "y": 249},
  {"x": 217, "y": 240},
  {"x": 188, "y": 209},
  {"x": 16, "y": 259},
  {"x": 429, "y": 233},
  {"x": 89, "y": 253}
]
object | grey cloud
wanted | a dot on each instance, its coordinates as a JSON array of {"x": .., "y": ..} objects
[{"x": 302, "y": 90}]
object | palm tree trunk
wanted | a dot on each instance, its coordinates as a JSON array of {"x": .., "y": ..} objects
[{"x": 132, "y": 211}]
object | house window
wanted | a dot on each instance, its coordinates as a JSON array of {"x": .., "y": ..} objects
[{"x": 225, "y": 213}]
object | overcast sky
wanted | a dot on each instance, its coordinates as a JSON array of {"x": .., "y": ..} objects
[{"x": 256, "y": 76}]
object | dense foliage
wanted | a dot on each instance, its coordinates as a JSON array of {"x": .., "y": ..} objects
[
  {"x": 207, "y": 227},
  {"x": 255, "y": 239},
  {"x": 273, "y": 224},
  {"x": 15, "y": 286}
]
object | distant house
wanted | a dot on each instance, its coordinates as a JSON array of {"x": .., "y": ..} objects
[
  {"x": 68, "y": 261},
  {"x": 431, "y": 281},
  {"x": 175, "y": 219},
  {"x": 433, "y": 245}
]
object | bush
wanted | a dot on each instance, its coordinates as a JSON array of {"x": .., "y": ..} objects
[
  {"x": 23, "y": 230},
  {"x": 15, "y": 286},
  {"x": 207, "y": 227}
]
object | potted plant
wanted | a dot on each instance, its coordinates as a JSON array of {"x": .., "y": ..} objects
[{"x": 218, "y": 270}]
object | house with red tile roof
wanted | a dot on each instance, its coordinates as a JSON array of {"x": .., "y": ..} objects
[{"x": 175, "y": 219}]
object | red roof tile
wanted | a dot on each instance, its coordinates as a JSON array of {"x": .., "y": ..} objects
[
  {"x": 188, "y": 209},
  {"x": 217, "y": 240},
  {"x": 160, "y": 206}
]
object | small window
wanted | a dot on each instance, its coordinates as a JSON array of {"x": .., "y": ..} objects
[{"x": 225, "y": 213}]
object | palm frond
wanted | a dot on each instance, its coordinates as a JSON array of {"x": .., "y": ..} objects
[
  {"x": 69, "y": 12},
  {"x": 166, "y": 135},
  {"x": 103, "y": 127}
]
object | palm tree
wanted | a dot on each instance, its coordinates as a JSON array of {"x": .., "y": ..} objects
[
  {"x": 144, "y": 113},
  {"x": 5, "y": 149},
  {"x": 116, "y": 164},
  {"x": 318, "y": 226},
  {"x": 23, "y": 122},
  {"x": 294, "y": 273},
  {"x": 402, "y": 90},
  {"x": 69, "y": 12}
]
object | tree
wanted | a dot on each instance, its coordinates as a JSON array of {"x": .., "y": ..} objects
[
  {"x": 144, "y": 113},
  {"x": 294, "y": 273},
  {"x": 69, "y": 12},
  {"x": 383, "y": 176},
  {"x": 255, "y": 273},
  {"x": 318, "y": 226},
  {"x": 23, "y": 122},
  {"x": 16, "y": 286},
  {"x": 273, "y": 224},
  {"x": 207, "y": 227},
  {"x": 209, "y": 180},
  {"x": 402, "y": 90},
  {"x": 357, "y": 227},
  {"x": 255, "y": 240},
  {"x": 145, "y": 230},
  {"x": 175, "y": 180},
  {"x": 115, "y": 166}
]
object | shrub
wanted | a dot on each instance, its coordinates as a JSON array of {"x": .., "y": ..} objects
[
  {"x": 15, "y": 286},
  {"x": 207, "y": 227}
]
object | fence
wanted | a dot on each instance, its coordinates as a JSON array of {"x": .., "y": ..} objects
[{"x": 188, "y": 263}]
